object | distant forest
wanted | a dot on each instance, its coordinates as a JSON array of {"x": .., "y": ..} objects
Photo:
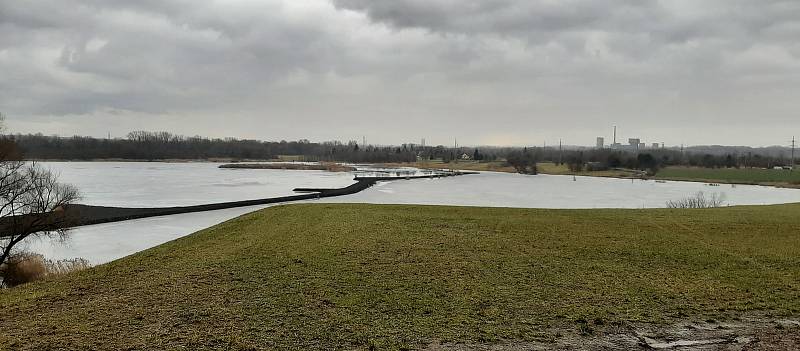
[{"x": 143, "y": 145}]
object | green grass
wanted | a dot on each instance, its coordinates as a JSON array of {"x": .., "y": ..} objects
[
  {"x": 563, "y": 169},
  {"x": 322, "y": 276},
  {"x": 732, "y": 175},
  {"x": 503, "y": 166},
  {"x": 467, "y": 165}
]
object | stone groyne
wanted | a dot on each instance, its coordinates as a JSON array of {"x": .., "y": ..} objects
[{"x": 80, "y": 215}]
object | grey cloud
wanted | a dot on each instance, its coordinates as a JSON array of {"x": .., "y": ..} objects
[
  {"x": 668, "y": 20},
  {"x": 530, "y": 69},
  {"x": 150, "y": 54}
]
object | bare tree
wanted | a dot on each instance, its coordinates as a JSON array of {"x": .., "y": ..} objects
[{"x": 32, "y": 201}]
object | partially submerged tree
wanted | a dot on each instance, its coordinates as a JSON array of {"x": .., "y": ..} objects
[
  {"x": 648, "y": 163},
  {"x": 523, "y": 161},
  {"x": 576, "y": 162},
  {"x": 698, "y": 200},
  {"x": 32, "y": 201}
]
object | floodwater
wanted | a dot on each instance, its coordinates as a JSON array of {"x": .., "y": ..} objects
[
  {"x": 143, "y": 184},
  {"x": 493, "y": 189},
  {"x": 160, "y": 184}
]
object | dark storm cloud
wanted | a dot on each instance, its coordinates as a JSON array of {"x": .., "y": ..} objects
[
  {"x": 666, "y": 20},
  {"x": 500, "y": 71}
]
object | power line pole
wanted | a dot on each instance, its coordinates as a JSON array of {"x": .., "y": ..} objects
[
  {"x": 791, "y": 169},
  {"x": 560, "y": 153}
]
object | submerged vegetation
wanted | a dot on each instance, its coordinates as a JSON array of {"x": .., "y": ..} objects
[
  {"x": 699, "y": 200},
  {"x": 320, "y": 276}
]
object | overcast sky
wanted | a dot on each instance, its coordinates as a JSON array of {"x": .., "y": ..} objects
[{"x": 502, "y": 72}]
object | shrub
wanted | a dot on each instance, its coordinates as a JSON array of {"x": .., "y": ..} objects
[
  {"x": 26, "y": 267},
  {"x": 22, "y": 268},
  {"x": 698, "y": 200},
  {"x": 524, "y": 162},
  {"x": 337, "y": 167}
]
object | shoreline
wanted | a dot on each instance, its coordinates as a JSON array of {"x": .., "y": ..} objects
[
  {"x": 77, "y": 215},
  {"x": 304, "y": 166},
  {"x": 618, "y": 174},
  {"x": 167, "y": 160},
  {"x": 482, "y": 166}
]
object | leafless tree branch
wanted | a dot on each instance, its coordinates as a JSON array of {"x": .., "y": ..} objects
[{"x": 32, "y": 202}]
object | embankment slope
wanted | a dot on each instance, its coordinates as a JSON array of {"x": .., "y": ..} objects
[{"x": 332, "y": 276}]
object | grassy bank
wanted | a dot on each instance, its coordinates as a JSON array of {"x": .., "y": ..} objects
[
  {"x": 754, "y": 176},
  {"x": 466, "y": 165},
  {"x": 556, "y": 169},
  {"x": 733, "y": 175},
  {"x": 502, "y": 166},
  {"x": 353, "y": 276}
]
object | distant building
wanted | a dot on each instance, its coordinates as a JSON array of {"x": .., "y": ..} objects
[
  {"x": 465, "y": 156},
  {"x": 600, "y": 142},
  {"x": 633, "y": 145}
]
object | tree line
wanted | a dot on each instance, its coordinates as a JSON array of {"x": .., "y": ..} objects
[
  {"x": 145, "y": 145},
  {"x": 650, "y": 160}
]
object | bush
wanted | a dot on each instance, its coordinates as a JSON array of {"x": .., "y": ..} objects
[
  {"x": 66, "y": 266},
  {"x": 23, "y": 268},
  {"x": 699, "y": 200},
  {"x": 524, "y": 162},
  {"x": 26, "y": 267}
]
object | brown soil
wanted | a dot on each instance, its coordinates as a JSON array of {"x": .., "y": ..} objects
[{"x": 756, "y": 333}]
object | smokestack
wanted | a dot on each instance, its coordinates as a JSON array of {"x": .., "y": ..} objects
[{"x": 615, "y": 134}]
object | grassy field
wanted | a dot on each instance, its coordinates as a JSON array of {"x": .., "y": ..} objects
[
  {"x": 732, "y": 175},
  {"x": 553, "y": 168},
  {"x": 321, "y": 276}
]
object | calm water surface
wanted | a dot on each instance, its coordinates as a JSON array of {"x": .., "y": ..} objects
[{"x": 173, "y": 184}]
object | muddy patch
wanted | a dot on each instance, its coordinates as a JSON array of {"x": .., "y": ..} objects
[{"x": 743, "y": 334}]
